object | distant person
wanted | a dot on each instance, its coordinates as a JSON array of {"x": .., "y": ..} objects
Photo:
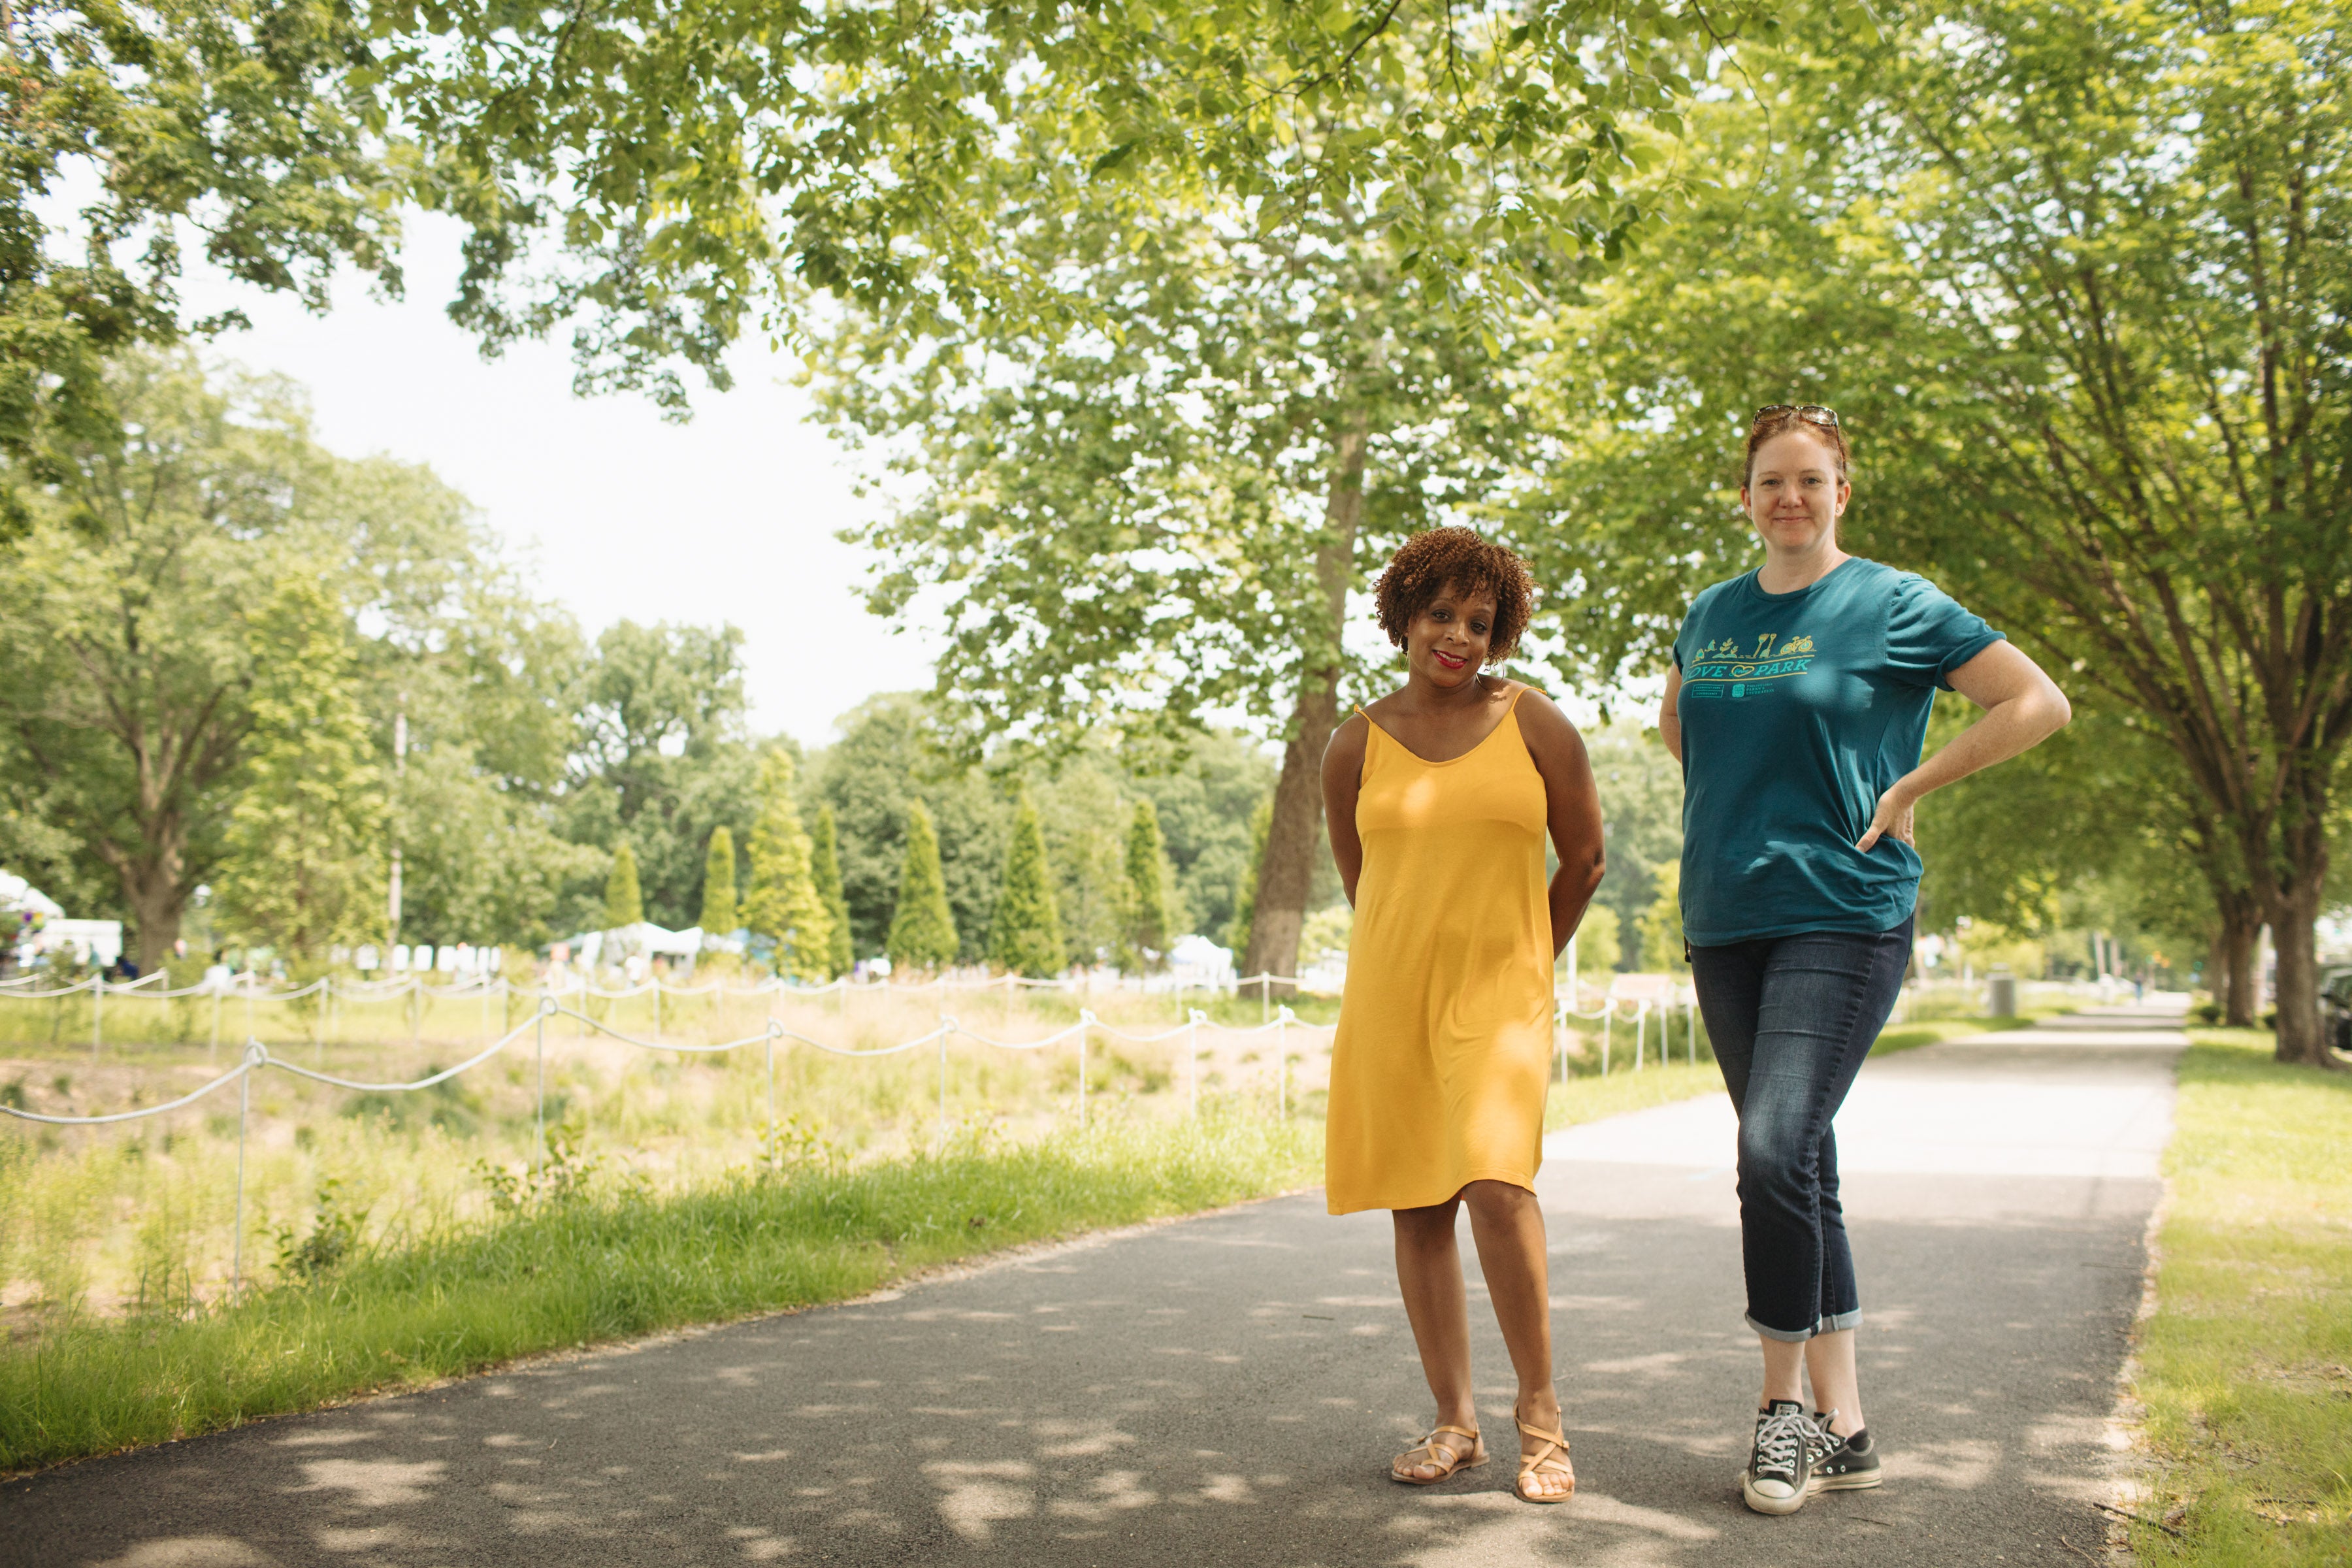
[
  {"x": 1797, "y": 704},
  {"x": 1439, "y": 796}
]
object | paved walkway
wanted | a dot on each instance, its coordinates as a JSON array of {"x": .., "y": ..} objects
[{"x": 1227, "y": 1391}]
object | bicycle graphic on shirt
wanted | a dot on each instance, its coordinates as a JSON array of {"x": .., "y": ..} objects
[{"x": 1723, "y": 670}]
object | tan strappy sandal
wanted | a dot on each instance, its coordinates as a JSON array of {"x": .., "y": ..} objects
[
  {"x": 1470, "y": 1458},
  {"x": 1550, "y": 1459}
]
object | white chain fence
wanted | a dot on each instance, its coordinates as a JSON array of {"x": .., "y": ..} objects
[{"x": 258, "y": 1056}]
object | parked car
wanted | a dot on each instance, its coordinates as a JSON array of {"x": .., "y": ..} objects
[{"x": 2336, "y": 1006}]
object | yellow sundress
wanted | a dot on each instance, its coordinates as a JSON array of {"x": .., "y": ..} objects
[{"x": 1446, "y": 1029}]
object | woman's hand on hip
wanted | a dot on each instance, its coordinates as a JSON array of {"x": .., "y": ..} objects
[{"x": 1893, "y": 818}]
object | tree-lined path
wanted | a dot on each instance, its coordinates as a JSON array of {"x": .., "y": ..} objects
[{"x": 1227, "y": 1389}]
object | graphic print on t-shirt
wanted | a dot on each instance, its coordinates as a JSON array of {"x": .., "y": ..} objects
[{"x": 1724, "y": 669}]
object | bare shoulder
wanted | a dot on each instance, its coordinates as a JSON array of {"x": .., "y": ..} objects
[
  {"x": 1344, "y": 752},
  {"x": 1543, "y": 723}
]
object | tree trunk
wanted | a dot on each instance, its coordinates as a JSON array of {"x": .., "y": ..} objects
[
  {"x": 2241, "y": 927},
  {"x": 1294, "y": 837},
  {"x": 2217, "y": 969},
  {"x": 2293, "y": 914}
]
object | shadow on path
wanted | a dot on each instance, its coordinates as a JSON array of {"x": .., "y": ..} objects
[{"x": 1223, "y": 1391}]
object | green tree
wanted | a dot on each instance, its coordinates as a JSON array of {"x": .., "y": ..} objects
[
  {"x": 304, "y": 853},
  {"x": 624, "y": 904},
  {"x": 661, "y": 755},
  {"x": 2061, "y": 267},
  {"x": 1640, "y": 790},
  {"x": 662, "y": 186},
  {"x": 922, "y": 929},
  {"x": 1662, "y": 923},
  {"x": 1237, "y": 933},
  {"x": 784, "y": 903},
  {"x": 1600, "y": 944},
  {"x": 1205, "y": 802},
  {"x": 240, "y": 120},
  {"x": 718, "y": 884},
  {"x": 1025, "y": 936},
  {"x": 825, "y": 865},
  {"x": 1134, "y": 528},
  {"x": 883, "y": 764},
  {"x": 1150, "y": 923}
]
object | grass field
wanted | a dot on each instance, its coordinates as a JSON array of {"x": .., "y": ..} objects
[{"x": 2245, "y": 1370}]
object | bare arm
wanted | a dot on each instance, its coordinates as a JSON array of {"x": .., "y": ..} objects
[
  {"x": 2023, "y": 708},
  {"x": 1670, "y": 723},
  {"x": 1343, "y": 777},
  {"x": 1572, "y": 808}
]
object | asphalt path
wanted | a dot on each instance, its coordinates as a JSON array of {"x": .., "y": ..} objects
[{"x": 1229, "y": 1389}]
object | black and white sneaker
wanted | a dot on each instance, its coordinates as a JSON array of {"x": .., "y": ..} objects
[
  {"x": 1847, "y": 1463},
  {"x": 1779, "y": 1473}
]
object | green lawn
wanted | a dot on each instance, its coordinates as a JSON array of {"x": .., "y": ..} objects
[
  {"x": 607, "y": 1265},
  {"x": 2245, "y": 1370},
  {"x": 1932, "y": 1031}
]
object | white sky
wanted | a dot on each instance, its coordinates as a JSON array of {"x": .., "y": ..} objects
[{"x": 616, "y": 513}]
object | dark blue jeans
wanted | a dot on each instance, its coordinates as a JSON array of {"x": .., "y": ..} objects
[{"x": 1793, "y": 1019}]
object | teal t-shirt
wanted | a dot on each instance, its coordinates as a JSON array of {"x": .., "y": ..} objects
[{"x": 1798, "y": 711}]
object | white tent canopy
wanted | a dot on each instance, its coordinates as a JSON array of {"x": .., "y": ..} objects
[
  {"x": 644, "y": 937},
  {"x": 18, "y": 897}
]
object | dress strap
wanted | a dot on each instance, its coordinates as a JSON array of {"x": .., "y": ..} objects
[{"x": 1513, "y": 706}]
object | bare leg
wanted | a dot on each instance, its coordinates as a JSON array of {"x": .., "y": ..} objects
[
  {"x": 1829, "y": 1361},
  {"x": 1784, "y": 1371},
  {"x": 1429, "y": 1275},
  {"x": 1507, "y": 1225}
]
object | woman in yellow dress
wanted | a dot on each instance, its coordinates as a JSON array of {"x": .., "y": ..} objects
[{"x": 1439, "y": 796}]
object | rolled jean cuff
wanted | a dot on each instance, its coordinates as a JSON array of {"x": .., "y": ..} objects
[{"x": 1799, "y": 1336}]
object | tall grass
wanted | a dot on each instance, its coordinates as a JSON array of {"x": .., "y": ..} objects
[
  {"x": 608, "y": 1257},
  {"x": 125, "y": 1218}
]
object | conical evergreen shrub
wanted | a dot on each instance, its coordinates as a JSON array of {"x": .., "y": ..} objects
[
  {"x": 719, "y": 916},
  {"x": 1149, "y": 923},
  {"x": 922, "y": 927},
  {"x": 784, "y": 901},
  {"x": 1026, "y": 935},
  {"x": 624, "y": 904},
  {"x": 1237, "y": 933},
  {"x": 824, "y": 864}
]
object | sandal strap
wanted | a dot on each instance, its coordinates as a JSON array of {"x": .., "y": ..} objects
[
  {"x": 1447, "y": 1455},
  {"x": 1545, "y": 1458}
]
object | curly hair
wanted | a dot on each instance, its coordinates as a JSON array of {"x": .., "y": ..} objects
[{"x": 1429, "y": 564}]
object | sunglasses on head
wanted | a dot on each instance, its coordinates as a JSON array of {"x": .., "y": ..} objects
[{"x": 1811, "y": 413}]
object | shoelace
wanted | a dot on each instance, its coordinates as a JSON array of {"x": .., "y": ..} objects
[
  {"x": 1781, "y": 1437},
  {"x": 1826, "y": 1442}
]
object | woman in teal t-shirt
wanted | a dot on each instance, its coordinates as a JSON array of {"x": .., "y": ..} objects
[{"x": 1797, "y": 705}]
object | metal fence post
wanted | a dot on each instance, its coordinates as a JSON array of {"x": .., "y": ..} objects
[
  {"x": 539, "y": 1054},
  {"x": 1085, "y": 1018},
  {"x": 1607, "y": 1013},
  {"x": 1192, "y": 1064},
  {"x": 947, "y": 1027},
  {"x": 244, "y": 1101},
  {"x": 1640, "y": 1028},
  {"x": 97, "y": 1013},
  {"x": 1282, "y": 1064}
]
